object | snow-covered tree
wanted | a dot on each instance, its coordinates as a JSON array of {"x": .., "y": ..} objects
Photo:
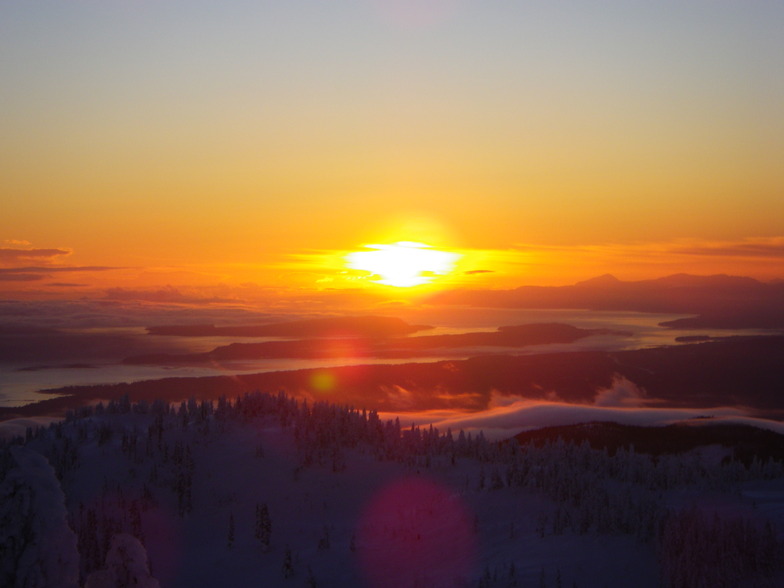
[
  {"x": 37, "y": 547},
  {"x": 126, "y": 565}
]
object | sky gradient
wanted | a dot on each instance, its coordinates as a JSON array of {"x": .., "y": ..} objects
[{"x": 202, "y": 143}]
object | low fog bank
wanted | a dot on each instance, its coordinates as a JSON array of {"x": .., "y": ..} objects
[
  {"x": 19, "y": 427},
  {"x": 509, "y": 416},
  {"x": 507, "y": 420}
]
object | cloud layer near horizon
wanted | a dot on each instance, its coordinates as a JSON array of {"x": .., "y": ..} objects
[
  {"x": 510, "y": 416},
  {"x": 299, "y": 276}
]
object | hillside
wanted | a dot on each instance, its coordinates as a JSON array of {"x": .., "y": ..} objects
[{"x": 269, "y": 490}]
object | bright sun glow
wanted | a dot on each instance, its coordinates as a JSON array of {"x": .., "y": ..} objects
[{"x": 403, "y": 264}]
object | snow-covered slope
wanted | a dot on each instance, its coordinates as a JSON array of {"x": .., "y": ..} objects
[{"x": 267, "y": 490}]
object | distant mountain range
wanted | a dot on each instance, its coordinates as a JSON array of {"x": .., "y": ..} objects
[{"x": 721, "y": 301}]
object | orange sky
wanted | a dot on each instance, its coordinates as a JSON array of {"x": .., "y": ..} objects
[{"x": 220, "y": 144}]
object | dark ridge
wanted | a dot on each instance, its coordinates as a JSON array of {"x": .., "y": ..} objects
[
  {"x": 69, "y": 366},
  {"x": 347, "y": 326},
  {"x": 603, "y": 281},
  {"x": 746, "y": 442},
  {"x": 386, "y": 347}
]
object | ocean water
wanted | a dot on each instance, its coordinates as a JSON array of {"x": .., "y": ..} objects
[{"x": 21, "y": 379}]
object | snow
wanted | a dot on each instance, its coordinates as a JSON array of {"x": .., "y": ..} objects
[
  {"x": 38, "y": 546},
  {"x": 126, "y": 565},
  {"x": 170, "y": 496},
  {"x": 18, "y": 427}
]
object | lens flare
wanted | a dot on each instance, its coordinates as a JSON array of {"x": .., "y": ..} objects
[
  {"x": 416, "y": 532},
  {"x": 322, "y": 381}
]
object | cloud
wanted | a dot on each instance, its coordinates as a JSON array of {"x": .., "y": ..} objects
[
  {"x": 505, "y": 419},
  {"x": 18, "y": 427},
  {"x": 33, "y": 315},
  {"x": 168, "y": 294},
  {"x": 66, "y": 285},
  {"x": 749, "y": 247},
  {"x": 770, "y": 247},
  {"x": 621, "y": 393},
  {"x": 479, "y": 271},
  {"x": 60, "y": 268},
  {"x": 19, "y": 277},
  {"x": 36, "y": 273},
  {"x": 10, "y": 256},
  {"x": 16, "y": 263},
  {"x": 400, "y": 396},
  {"x": 758, "y": 257}
]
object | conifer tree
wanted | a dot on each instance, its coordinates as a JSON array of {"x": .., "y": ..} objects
[
  {"x": 230, "y": 533},
  {"x": 324, "y": 542},
  {"x": 263, "y": 527},
  {"x": 288, "y": 564}
]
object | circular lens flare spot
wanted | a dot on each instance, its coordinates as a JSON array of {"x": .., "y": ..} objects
[
  {"x": 322, "y": 382},
  {"x": 415, "y": 532},
  {"x": 403, "y": 264}
]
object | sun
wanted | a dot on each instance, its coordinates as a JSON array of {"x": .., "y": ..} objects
[{"x": 403, "y": 264}]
